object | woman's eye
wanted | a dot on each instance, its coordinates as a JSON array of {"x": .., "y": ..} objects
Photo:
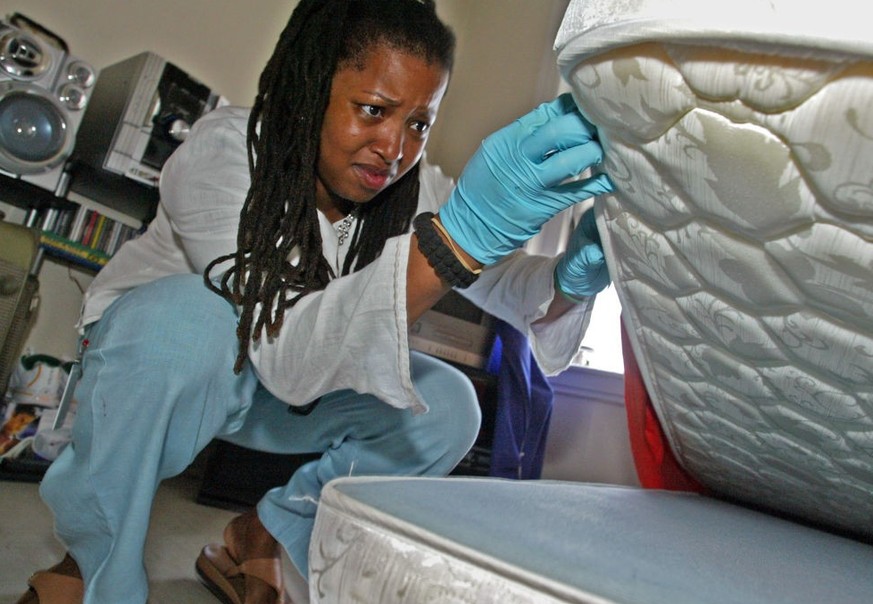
[
  {"x": 420, "y": 127},
  {"x": 372, "y": 110}
]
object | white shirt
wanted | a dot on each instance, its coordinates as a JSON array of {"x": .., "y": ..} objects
[{"x": 353, "y": 334}]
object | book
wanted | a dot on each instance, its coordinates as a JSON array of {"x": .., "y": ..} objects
[
  {"x": 90, "y": 225},
  {"x": 71, "y": 250},
  {"x": 454, "y": 330},
  {"x": 78, "y": 225}
]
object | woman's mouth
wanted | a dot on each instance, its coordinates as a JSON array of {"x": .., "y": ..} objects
[{"x": 372, "y": 178}]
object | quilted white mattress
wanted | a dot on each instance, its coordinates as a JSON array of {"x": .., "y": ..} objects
[
  {"x": 492, "y": 541},
  {"x": 740, "y": 137}
]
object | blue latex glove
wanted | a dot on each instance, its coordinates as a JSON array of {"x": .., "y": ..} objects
[
  {"x": 513, "y": 184},
  {"x": 582, "y": 272}
]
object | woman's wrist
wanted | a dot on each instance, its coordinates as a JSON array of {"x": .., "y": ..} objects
[
  {"x": 436, "y": 247},
  {"x": 567, "y": 296},
  {"x": 469, "y": 263}
]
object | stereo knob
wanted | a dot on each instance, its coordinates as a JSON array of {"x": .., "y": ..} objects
[
  {"x": 72, "y": 97},
  {"x": 81, "y": 74},
  {"x": 178, "y": 130}
]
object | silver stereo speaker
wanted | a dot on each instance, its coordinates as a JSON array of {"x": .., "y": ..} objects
[
  {"x": 141, "y": 110},
  {"x": 43, "y": 94}
]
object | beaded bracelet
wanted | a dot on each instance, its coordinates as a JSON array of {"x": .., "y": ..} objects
[
  {"x": 439, "y": 226},
  {"x": 439, "y": 255}
]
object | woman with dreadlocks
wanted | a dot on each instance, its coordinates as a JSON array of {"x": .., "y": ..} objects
[{"x": 294, "y": 244}]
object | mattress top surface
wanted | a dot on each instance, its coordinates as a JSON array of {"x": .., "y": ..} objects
[{"x": 616, "y": 543}]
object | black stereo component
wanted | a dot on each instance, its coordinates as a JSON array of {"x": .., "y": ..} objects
[
  {"x": 141, "y": 110},
  {"x": 44, "y": 91}
]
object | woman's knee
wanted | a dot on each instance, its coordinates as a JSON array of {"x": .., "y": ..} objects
[
  {"x": 452, "y": 401},
  {"x": 175, "y": 322},
  {"x": 166, "y": 350}
]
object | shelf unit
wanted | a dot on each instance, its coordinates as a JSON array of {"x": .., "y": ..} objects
[
  {"x": 100, "y": 231},
  {"x": 53, "y": 214}
]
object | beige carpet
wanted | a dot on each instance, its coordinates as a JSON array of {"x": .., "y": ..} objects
[{"x": 180, "y": 528}]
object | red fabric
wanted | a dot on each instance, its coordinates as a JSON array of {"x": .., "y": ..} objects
[{"x": 656, "y": 465}]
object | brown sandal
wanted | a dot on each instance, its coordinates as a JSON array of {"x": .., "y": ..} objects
[
  {"x": 219, "y": 571},
  {"x": 54, "y": 587}
]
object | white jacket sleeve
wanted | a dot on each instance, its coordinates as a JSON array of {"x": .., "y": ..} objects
[
  {"x": 351, "y": 335},
  {"x": 519, "y": 289}
]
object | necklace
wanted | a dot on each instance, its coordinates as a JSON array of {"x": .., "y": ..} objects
[{"x": 345, "y": 228}]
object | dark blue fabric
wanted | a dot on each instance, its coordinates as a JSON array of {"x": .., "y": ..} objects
[{"x": 524, "y": 407}]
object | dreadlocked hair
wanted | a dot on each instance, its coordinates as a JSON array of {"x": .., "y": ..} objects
[{"x": 284, "y": 129}]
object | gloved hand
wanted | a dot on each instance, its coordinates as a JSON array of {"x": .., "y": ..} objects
[
  {"x": 513, "y": 184},
  {"x": 582, "y": 272}
]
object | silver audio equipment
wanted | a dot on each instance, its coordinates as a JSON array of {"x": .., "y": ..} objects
[
  {"x": 43, "y": 94},
  {"x": 140, "y": 111}
]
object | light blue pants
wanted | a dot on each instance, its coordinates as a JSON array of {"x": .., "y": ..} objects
[{"x": 158, "y": 386}]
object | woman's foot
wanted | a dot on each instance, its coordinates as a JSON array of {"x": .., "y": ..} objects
[
  {"x": 247, "y": 569},
  {"x": 247, "y": 539},
  {"x": 61, "y": 583}
]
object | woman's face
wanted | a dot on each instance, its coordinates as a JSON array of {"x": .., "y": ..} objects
[{"x": 375, "y": 127}]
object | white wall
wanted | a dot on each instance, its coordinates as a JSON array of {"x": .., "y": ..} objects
[
  {"x": 588, "y": 438},
  {"x": 224, "y": 43},
  {"x": 505, "y": 66}
]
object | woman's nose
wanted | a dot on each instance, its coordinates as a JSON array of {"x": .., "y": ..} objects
[{"x": 388, "y": 143}]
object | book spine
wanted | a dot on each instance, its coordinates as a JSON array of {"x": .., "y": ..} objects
[
  {"x": 446, "y": 352},
  {"x": 78, "y": 224},
  {"x": 94, "y": 240},
  {"x": 74, "y": 251},
  {"x": 89, "y": 227},
  {"x": 111, "y": 244}
]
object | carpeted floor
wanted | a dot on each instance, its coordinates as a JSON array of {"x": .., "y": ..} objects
[{"x": 180, "y": 528}]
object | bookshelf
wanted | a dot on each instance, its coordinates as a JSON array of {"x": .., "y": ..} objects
[
  {"x": 82, "y": 234},
  {"x": 74, "y": 229}
]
